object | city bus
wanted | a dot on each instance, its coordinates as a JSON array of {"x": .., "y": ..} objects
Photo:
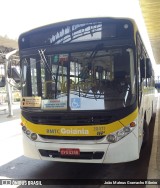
[{"x": 87, "y": 91}]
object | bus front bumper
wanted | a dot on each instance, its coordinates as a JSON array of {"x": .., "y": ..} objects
[{"x": 124, "y": 150}]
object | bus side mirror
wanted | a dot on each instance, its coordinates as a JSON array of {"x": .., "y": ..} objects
[
  {"x": 148, "y": 68},
  {"x": 2, "y": 81}
]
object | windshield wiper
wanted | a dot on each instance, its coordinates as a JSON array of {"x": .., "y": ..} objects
[
  {"x": 95, "y": 51},
  {"x": 84, "y": 72},
  {"x": 44, "y": 61}
]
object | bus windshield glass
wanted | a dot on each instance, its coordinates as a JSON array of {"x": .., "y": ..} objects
[{"x": 102, "y": 79}]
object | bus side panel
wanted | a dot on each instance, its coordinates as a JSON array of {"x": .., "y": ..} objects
[
  {"x": 145, "y": 112},
  {"x": 151, "y": 101}
]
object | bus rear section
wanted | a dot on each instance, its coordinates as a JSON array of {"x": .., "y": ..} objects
[{"x": 79, "y": 92}]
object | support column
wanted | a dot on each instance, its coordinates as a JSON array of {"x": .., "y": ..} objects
[{"x": 8, "y": 87}]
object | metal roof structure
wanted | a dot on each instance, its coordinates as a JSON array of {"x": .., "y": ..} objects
[
  {"x": 151, "y": 13},
  {"x": 7, "y": 45}
]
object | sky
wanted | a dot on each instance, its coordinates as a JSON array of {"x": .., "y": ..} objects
[{"x": 18, "y": 16}]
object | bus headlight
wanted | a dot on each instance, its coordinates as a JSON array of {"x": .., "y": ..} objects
[
  {"x": 111, "y": 138},
  {"x": 123, "y": 132},
  {"x": 126, "y": 129},
  {"x": 24, "y": 129},
  {"x": 29, "y": 134},
  {"x": 33, "y": 136},
  {"x": 120, "y": 133},
  {"x": 116, "y": 136}
]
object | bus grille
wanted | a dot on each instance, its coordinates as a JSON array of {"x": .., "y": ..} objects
[
  {"x": 68, "y": 119},
  {"x": 83, "y": 155},
  {"x": 72, "y": 137}
]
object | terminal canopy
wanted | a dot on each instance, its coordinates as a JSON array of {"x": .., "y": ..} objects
[{"x": 151, "y": 13}]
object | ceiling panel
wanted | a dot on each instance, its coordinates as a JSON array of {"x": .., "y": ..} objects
[{"x": 151, "y": 13}]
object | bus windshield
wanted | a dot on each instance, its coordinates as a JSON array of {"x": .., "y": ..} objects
[{"x": 102, "y": 79}]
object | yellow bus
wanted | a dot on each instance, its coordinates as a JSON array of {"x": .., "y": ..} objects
[{"x": 87, "y": 91}]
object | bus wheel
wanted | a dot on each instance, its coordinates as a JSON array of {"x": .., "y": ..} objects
[{"x": 145, "y": 133}]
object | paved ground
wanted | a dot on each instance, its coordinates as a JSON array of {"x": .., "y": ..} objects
[
  {"x": 154, "y": 164},
  {"x": 4, "y": 112}
]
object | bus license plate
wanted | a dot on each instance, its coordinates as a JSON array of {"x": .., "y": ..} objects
[{"x": 69, "y": 152}]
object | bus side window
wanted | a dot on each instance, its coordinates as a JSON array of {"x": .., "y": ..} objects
[{"x": 148, "y": 68}]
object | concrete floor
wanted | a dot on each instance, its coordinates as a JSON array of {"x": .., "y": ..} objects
[{"x": 154, "y": 164}]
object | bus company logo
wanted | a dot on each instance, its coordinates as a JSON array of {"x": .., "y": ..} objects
[
  {"x": 53, "y": 131},
  {"x": 67, "y": 131},
  {"x": 74, "y": 131}
]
